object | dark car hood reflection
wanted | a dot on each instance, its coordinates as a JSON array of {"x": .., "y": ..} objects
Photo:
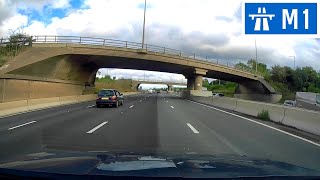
[{"x": 135, "y": 164}]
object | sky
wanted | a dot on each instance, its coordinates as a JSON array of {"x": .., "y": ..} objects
[{"x": 211, "y": 28}]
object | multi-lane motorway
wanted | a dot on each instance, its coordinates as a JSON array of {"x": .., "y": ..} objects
[{"x": 151, "y": 123}]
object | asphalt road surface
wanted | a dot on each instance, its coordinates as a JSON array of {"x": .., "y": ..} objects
[{"x": 156, "y": 122}]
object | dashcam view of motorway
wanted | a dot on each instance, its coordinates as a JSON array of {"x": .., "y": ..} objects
[{"x": 149, "y": 88}]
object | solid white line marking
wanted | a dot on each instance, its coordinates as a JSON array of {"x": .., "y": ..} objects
[
  {"x": 167, "y": 101},
  {"x": 22, "y": 125},
  {"x": 97, "y": 127},
  {"x": 141, "y": 100},
  {"x": 276, "y": 129},
  {"x": 172, "y": 107},
  {"x": 131, "y": 106},
  {"x": 192, "y": 128},
  {"x": 91, "y": 106}
]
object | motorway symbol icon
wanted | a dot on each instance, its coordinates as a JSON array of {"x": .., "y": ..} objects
[{"x": 264, "y": 16}]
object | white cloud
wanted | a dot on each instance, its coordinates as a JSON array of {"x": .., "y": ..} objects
[
  {"x": 37, "y": 27},
  {"x": 61, "y": 4},
  {"x": 5, "y": 12},
  {"x": 13, "y": 23}
]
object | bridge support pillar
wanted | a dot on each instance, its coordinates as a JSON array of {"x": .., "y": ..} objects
[
  {"x": 198, "y": 82},
  {"x": 198, "y": 77},
  {"x": 190, "y": 83},
  {"x": 195, "y": 79}
]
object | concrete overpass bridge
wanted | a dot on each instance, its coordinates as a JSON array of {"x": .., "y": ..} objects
[
  {"x": 67, "y": 65},
  {"x": 137, "y": 83}
]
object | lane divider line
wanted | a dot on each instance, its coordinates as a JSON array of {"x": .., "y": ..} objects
[
  {"x": 91, "y": 106},
  {"x": 276, "y": 129},
  {"x": 193, "y": 129},
  {"x": 22, "y": 125},
  {"x": 167, "y": 101},
  {"x": 172, "y": 107},
  {"x": 97, "y": 127},
  {"x": 131, "y": 106}
]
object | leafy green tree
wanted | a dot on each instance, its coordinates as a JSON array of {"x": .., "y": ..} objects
[
  {"x": 261, "y": 67},
  {"x": 251, "y": 65},
  {"x": 105, "y": 78},
  {"x": 278, "y": 74},
  {"x": 20, "y": 39},
  {"x": 241, "y": 65},
  {"x": 299, "y": 79},
  {"x": 205, "y": 83}
]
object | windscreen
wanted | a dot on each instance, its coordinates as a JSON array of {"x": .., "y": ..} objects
[{"x": 106, "y": 93}]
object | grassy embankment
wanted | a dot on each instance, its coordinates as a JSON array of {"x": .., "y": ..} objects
[{"x": 122, "y": 85}]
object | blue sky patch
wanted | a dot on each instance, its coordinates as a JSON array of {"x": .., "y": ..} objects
[
  {"x": 45, "y": 16},
  {"x": 48, "y": 12},
  {"x": 77, "y": 4},
  {"x": 141, "y": 6}
]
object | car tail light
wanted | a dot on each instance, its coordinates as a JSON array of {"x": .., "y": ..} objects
[
  {"x": 113, "y": 97},
  {"x": 98, "y": 98}
]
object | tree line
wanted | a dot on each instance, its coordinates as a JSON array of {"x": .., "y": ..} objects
[
  {"x": 287, "y": 80},
  {"x": 300, "y": 79},
  {"x": 284, "y": 79}
]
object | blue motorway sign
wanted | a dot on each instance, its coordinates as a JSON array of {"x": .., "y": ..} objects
[{"x": 280, "y": 18}]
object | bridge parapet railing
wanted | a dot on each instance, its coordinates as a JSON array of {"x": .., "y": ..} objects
[
  {"x": 132, "y": 45},
  {"x": 155, "y": 80}
]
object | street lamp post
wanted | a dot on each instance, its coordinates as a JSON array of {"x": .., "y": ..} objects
[
  {"x": 294, "y": 61},
  {"x": 255, "y": 44},
  {"x": 144, "y": 22}
]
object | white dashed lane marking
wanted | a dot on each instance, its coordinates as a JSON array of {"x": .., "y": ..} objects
[
  {"x": 22, "y": 125},
  {"x": 97, "y": 127},
  {"x": 192, "y": 128}
]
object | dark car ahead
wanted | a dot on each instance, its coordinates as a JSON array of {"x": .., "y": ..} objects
[{"x": 109, "y": 97}]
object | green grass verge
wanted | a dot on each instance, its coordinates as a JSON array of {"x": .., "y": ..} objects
[{"x": 264, "y": 115}]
